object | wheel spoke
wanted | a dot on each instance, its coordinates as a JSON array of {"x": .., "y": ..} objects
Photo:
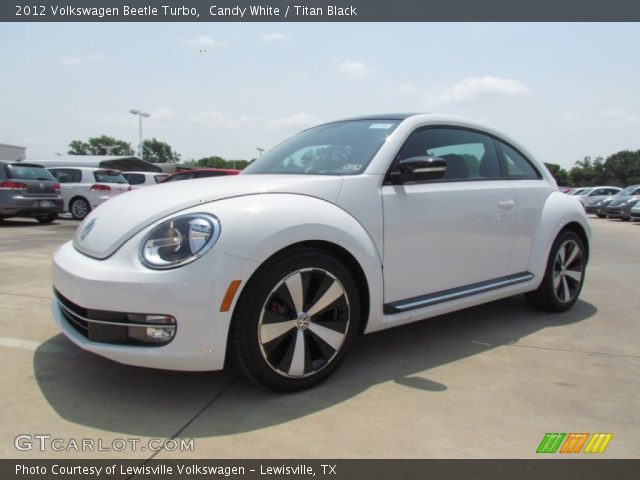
[
  {"x": 574, "y": 275},
  {"x": 575, "y": 251},
  {"x": 297, "y": 361},
  {"x": 294, "y": 285},
  {"x": 331, "y": 337},
  {"x": 557, "y": 276},
  {"x": 562, "y": 253},
  {"x": 333, "y": 293},
  {"x": 271, "y": 331},
  {"x": 565, "y": 290}
]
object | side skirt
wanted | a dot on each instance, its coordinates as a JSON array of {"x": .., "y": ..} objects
[{"x": 455, "y": 293}]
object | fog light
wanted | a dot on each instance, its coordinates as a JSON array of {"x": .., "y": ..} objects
[
  {"x": 160, "y": 333},
  {"x": 154, "y": 328}
]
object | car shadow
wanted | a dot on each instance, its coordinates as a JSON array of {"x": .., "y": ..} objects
[
  {"x": 24, "y": 223},
  {"x": 89, "y": 390}
]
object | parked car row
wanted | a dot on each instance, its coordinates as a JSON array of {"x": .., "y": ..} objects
[
  {"x": 613, "y": 202},
  {"x": 31, "y": 190}
]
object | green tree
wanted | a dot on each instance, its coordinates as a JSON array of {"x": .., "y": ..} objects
[
  {"x": 102, "y": 145},
  {"x": 560, "y": 174},
  {"x": 155, "y": 151},
  {"x": 219, "y": 162},
  {"x": 588, "y": 172},
  {"x": 623, "y": 168}
]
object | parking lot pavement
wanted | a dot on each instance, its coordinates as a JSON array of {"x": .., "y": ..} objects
[{"x": 487, "y": 382}]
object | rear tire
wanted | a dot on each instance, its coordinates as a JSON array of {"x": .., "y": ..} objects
[
  {"x": 47, "y": 218},
  {"x": 600, "y": 215},
  {"x": 564, "y": 275},
  {"x": 295, "y": 320},
  {"x": 79, "y": 208}
]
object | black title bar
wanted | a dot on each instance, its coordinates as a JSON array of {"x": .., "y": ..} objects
[
  {"x": 319, "y": 11},
  {"x": 541, "y": 469}
]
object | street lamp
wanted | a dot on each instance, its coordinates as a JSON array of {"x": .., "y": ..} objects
[
  {"x": 260, "y": 150},
  {"x": 140, "y": 115}
]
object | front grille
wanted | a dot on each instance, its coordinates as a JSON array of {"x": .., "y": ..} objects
[{"x": 111, "y": 327}]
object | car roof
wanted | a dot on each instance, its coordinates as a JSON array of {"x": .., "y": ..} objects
[
  {"x": 86, "y": 169},
  {"x": 20, "y": 164},
  {"x": 205, "y": 170}
]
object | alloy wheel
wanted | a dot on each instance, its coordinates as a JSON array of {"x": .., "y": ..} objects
[
  {"x": 568, "y": 270},
  {"x": 304, "y": 323}
]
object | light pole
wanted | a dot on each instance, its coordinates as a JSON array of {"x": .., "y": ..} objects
[
  {"x": 140, "y": 115},
  {"x": 260, "y": 150}
]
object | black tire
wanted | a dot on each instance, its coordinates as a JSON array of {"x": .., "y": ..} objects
[
  {"x": 267, "y": 330},
  {"x": 47, "y": 218},
  {"x": 600, "y": 215},
  {"x": 79, "y": 208},
  {"x": 561, "y": 285},
  {"x": 625, "y": 219}
]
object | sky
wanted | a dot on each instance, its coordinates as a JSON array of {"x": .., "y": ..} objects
[{"x": 564, "y": 90}]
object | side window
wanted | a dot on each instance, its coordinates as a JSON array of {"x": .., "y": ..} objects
[
  {"x": 469, "y": 155},
  {"x": 134, "y": 178},
  {"x": 66, "y": 175},
  {"x": 517, "y": 166}
]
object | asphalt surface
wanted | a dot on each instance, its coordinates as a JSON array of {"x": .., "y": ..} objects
[{"x": 487, "y": 382}]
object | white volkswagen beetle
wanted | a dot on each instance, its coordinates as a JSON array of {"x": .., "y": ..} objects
[{"x": 349, "y": 227}]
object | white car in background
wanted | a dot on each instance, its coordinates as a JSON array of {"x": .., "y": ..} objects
[
  {"x": 593, "y": 194},
  {"x": 143, "y": 179},
  {"x": 84, "y": 188},
  {"x": 279, "y": 268}
]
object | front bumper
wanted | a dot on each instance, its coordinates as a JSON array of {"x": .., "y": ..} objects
[
  {"x": 191, "y": 294},
  {"x": 595, "y": 209},
  {"x": 615, "y": 212}
]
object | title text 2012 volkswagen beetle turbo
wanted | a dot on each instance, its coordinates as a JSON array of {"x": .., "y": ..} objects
[{"x": 349, "y": 227}]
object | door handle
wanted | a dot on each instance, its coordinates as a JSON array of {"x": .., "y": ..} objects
[{"x": 507, "y": 204}]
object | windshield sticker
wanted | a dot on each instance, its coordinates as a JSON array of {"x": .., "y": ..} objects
[
  {"x": 381, "y": 126},
  {"x": 356, "y": 167}
]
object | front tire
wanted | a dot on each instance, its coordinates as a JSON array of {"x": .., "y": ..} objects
[
  {"x": 79, "y": 208},
  {"x": 564, "y": 276},
  {"x": 295, "y": 320}
]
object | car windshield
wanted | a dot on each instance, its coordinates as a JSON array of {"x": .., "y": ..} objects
[
  {"x": 341, "y": 148},
  {"x": 627, "y": 191},
  {"x": 108, "y": 176},
  {"x": 27, "y": 172}
]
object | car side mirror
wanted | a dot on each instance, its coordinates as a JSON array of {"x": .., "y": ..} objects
[{"x": 422, "y": 168}]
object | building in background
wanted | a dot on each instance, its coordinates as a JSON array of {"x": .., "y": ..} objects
[{"x": 12, "y": 152}]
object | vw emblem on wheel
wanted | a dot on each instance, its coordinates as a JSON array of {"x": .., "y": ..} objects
[{"x": 86, "y": 230}]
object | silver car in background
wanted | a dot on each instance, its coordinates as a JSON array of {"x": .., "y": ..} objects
[
  {"x": 599, "y": 206},
  {"x": 596, "y": 193}
]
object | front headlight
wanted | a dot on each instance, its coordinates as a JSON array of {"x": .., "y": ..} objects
[{"x": 179, "y": 241}]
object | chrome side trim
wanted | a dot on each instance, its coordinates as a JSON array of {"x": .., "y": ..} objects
[{"x": 456, "y": 293}]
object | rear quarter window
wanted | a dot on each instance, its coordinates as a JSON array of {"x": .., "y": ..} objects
[{"x": 515, "y": 165}]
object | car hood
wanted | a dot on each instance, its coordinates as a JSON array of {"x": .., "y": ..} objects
[{"x": 109, "y": 226}]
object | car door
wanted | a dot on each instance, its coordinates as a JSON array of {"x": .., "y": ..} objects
[
  {"x": 531, "y": 191},
  {"x": 450, "y": 233}
]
